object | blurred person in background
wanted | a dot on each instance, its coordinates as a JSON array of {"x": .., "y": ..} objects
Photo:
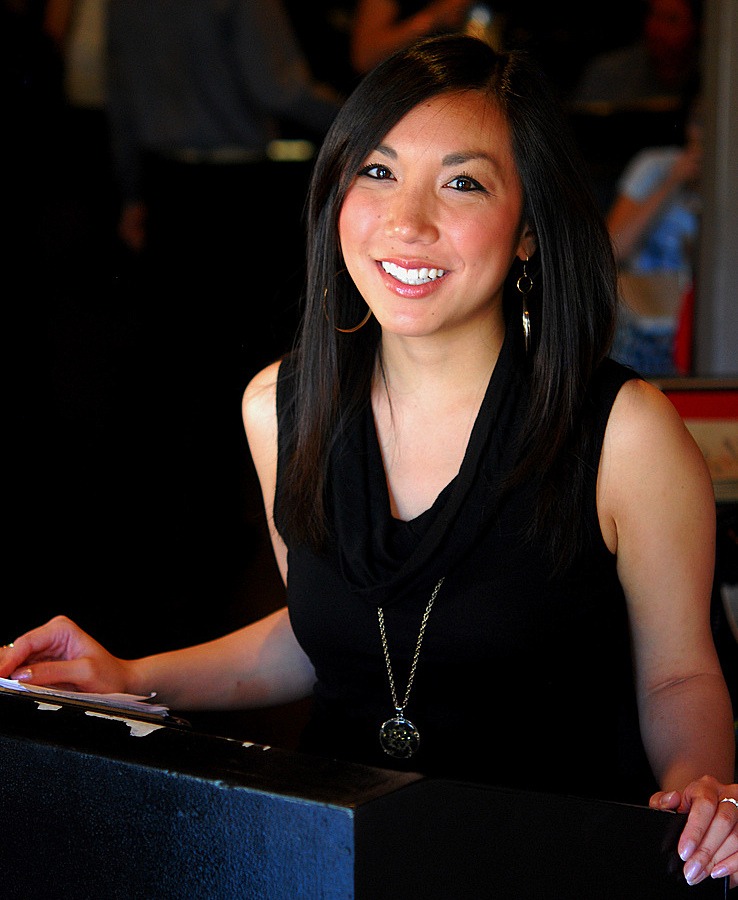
[
  {"x": 82, "y": 206},
  {"x": 197, "y": 91},
  {"x": 655, "y": 69},
  {"x": 654, "y": 223},
  {"x": 323, "y": 28},
  {"x": 202, "y": 85},
  {"x": 211, "y": 199},
  {"x": 633, "y": 96},
  {"x": 382, "y": 26}
]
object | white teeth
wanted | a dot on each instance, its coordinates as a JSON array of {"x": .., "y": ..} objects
[{"x": 412, "y": 276}]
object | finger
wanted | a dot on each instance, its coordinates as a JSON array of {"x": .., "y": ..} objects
[
  {"x": 698, "y": 801},
  {"x": 665, "y": 800},
  {"x": 726, "y": 866},
  {"x": 74, "y": 674},
  {"x": 54, "y": 640},
  {"x": 718, "y": 843},
  {"x": 11, "y": 656},
  {"x": 17, "y": 654}
]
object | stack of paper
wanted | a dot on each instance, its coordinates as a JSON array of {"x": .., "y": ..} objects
[{"x": 123, "y": 702}]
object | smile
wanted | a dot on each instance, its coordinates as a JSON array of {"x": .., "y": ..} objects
[{"x": 412, "y": 276}]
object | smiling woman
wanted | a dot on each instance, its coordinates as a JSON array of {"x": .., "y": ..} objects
[
  {"x": 431, "y": 198},
  {"x": 480, "y": 518}
]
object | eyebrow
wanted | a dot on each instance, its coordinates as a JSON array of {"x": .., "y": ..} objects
[
  {"x": 387, "y": 151},
  {"x": 451, "y": 159},
  {"x": 456, "y": 159}
]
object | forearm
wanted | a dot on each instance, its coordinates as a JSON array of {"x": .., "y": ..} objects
[
  {"x": 375, "y": 38},
  {"x": 687, "y": 729},
  {"x": 57, "y": 16},
  {"x": 631, "y": 220},
  {"x": 256, "y": 666}
]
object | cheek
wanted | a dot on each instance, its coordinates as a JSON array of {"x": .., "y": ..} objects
[
  {"x": 354, "y": 223},
  {"x": 484, "y": 243},
  {"x": 352, "y": 236}
]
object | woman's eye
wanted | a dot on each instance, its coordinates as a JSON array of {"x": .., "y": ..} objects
[
  {"x": 465, "y": 183},
  {"x": 376, "y": 170}
]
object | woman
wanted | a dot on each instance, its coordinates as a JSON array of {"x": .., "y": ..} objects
[{"x": 476, "y": 513}]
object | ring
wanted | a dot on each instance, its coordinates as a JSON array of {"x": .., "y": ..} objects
[{"x": 730, "y": 800}]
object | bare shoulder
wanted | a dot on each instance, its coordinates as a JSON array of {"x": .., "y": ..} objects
[
  {"x": 259, "y": 402},
  {"x": 643, "y": 419},
  {"x": 259, "y": 413},
  {"x": 649, "y": 462}
]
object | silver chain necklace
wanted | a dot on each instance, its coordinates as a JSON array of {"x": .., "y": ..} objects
[{"x": 398, "y": 736}]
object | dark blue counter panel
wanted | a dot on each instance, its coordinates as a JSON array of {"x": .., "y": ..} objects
[{"x": 95, "y": 808}]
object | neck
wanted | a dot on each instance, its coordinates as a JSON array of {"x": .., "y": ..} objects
[{"x": 437, "y": 368}]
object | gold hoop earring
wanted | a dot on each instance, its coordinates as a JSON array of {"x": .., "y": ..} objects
[
  {"x": 344, "y": 330},
  {"x": 525, "y": 285},
  {"x": 356, "y": 327}
]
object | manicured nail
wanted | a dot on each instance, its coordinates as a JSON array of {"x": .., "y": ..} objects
[
  {"x": 719, "y": 872},
  {"x": 687, "y": 850},
  {"x": 667, "y": 798},
  {"x": 692, "y": 871},
  {"x": 24, "y": 675}
]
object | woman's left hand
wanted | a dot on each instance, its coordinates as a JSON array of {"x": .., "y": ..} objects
[{"x": 709, "y": 843}]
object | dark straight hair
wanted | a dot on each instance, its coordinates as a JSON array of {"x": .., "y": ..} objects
[{"x": 572, "y": 304}]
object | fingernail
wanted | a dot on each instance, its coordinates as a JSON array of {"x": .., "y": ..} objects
[
  {"x": 23, "y": 675},
  {"x": 719, "y": 872},
  {"x": 692, "y": 871},
  {"x": 687, "y": 850},
  {"x": 667, "y": 798}
]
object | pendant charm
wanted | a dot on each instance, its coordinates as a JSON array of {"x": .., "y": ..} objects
[{"x": 399, "y": 737}]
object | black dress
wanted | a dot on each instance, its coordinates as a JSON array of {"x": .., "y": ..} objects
[{"x": 523, "y": 680}]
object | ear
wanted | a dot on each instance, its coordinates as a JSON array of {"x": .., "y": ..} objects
[{"x": 528, "y": 243}]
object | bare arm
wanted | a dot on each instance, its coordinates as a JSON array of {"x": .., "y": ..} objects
[
  {"x": 259, "y": 409},
  {"x": 259, "y": 665},
  {"x": 378, "y": 31},
  {"x": 657, "y": 512},
  {"x": 56, "y": 20},
  {"x": 629, "y": 220}
]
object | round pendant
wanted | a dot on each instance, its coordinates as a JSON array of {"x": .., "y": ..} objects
[{"x": 399, "y": 737}]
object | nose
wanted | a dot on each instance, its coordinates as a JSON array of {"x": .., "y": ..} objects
[{"x": 411, "y": 217}]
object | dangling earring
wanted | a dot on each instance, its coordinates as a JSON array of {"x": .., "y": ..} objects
[
  {"x": 344, "y": 330},
  {"x": 356, "y": 327},
  {"x": 525, "y": 285}
]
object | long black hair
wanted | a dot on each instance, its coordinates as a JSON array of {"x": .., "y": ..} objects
[{"x": 572, "y": 304}]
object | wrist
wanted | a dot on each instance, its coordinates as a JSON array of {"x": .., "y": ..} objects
[{"x": 137, "y": 678}]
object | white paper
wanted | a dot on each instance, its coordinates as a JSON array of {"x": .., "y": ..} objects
[{"x": 132, "y": 702}]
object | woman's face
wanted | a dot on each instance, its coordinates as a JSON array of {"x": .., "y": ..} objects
[{"x": 432, "y": 222}]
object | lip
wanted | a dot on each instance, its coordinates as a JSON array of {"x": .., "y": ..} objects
[{"x": 410, "y": 291}]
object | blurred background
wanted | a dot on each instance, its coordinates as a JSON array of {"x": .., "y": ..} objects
[{"x": 157, "y": 154}]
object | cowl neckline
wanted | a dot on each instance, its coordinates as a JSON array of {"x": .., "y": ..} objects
[{"x": 383, "y": 559}]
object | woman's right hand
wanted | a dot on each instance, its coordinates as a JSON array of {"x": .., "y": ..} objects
[{"x": 61, "y": 655}]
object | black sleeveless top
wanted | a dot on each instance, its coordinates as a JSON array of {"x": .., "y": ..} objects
[{"x": 523, "y": 680}]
